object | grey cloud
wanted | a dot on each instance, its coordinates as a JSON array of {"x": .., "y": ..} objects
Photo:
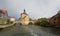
[{"x": 35, "y": 8}]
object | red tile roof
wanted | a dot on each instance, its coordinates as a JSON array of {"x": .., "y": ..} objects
[{"x": 3, "y": 11}]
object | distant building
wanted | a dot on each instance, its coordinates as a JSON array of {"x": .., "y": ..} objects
[
  {"x": 54, "y": 20},
  {"x": 24, "y": 19},
  {"x": 12, "y": 19},
  {"x": 3, "y": 14}
]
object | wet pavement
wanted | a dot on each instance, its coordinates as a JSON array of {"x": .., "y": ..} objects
[{"x": 29, "y": 30}]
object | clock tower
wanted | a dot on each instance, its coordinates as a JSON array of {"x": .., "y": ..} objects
[{"x": 24, "y": 18}]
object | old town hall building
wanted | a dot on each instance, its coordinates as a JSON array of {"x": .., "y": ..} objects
[{"x": 24, "y": 18}]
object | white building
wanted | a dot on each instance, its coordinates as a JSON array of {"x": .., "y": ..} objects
[{"x": 12, "y": 19}]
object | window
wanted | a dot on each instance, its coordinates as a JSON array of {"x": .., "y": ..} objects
[{"x": 54, "y": 22}]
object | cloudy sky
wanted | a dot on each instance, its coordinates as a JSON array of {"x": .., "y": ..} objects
[{"x": 35, "y": 8}]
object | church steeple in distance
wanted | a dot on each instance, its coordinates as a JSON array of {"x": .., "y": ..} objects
[{"x": 24, "y": 11}]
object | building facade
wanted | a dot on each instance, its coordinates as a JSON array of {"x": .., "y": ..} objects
[
  {"x": 4, "y": 15},
  {"x": 54, "y": 20},
  {"x": 11, "y": 19},
  {"x": 24, "y": 18}
]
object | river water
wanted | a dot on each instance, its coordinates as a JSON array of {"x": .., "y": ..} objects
[{"x": 29, "y": 30}]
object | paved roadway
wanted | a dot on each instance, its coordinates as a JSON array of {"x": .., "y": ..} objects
[{"x": 30, "y": 30}]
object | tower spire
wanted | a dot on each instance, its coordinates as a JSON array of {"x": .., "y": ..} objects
[{"x": 24, "y": 11}]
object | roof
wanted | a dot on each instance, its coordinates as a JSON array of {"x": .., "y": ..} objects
[
  {"x": 3, "y": 11},
  {"x": 24, "y": 12},
  {"x": 55, "y": 16}
]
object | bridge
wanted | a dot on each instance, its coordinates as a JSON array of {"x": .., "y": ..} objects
[{"x": 19, "y": 22}]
